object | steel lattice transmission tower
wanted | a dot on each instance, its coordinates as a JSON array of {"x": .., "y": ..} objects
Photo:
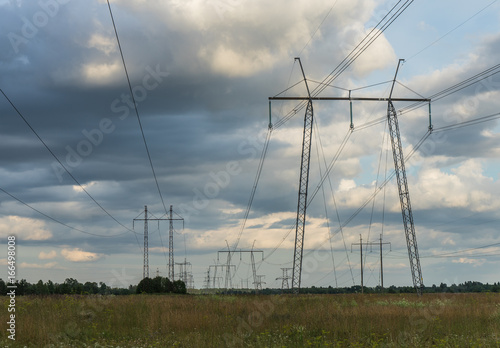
[
  {"x": 145, "y": 271},
  {"x": 404, "y": 193},
  {"x": 171, "y": 263},
  {"x": 228, "y": 268},
  {"x": 145, "y": 267},
  {"x": 257, "y": 279},
  {"x": 303, "y": 185},
  {"x": 284, "y": 279},
  {"x": 399, "y": 167},
  {"x": 404, "y": 198}
]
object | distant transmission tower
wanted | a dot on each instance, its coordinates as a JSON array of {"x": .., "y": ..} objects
[
  {"x": 171, "y": 247},
  {"x": 145, "y": 271},
  {"x": 361, "y": 258},
  {"x": 284, "y": 279},
  {"x": 379, "y": 243},
  {"x": 186, "y": 274},
  {"x": 207, "y": 279},
  {"x": 216, "y": 280},
  {"x": 145, "y": 266},
  {"x": 171, "y": 263},
  {"x": 228, "y": 280},
  {"x": 257, "y": 279}
]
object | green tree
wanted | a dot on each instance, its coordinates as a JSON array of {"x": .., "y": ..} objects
[
  {"x": 3, "y": 287},
  {"x": 41, "y": 288},
  {"x": 103, "y": 288},
  {"x": 23, "y": 287},
  {"x": 51, "y": 287},
  {"x": 169, "y": 286},
  {"x": 90, "y": 288},
  {"x": 145, "y": 286},
  {"x": 157, "y": 285},
  {"x": 74, "y": 286},
  {"x": 179, "y": 287},
  {"x": 62, "y": 289}
]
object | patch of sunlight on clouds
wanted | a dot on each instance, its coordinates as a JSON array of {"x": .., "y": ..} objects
[
  {"x": 24, "y": 228},
  {"x": 78, "y": 255}
]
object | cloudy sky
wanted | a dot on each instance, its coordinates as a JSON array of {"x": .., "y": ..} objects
[{"x": 201, "y": 73}]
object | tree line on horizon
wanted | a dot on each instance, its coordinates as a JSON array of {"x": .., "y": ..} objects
[
  {"x": 72, "y": 286},
  {"x": 466, "y": 287},
  {"x": 162, "y": 285}
]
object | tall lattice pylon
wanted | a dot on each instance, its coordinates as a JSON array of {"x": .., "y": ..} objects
[
  {"x": 145, "y": 267},
  {"x": 404, "y": 198},
  {"x": 404, "y": 192},
  {"x": 302, "y": 200},
  {"x": 145, "y": 270},
  {"x": 399, "y": 163},
  {"x": 303, "y": 185},
  {"x": 171, "y": 263}
]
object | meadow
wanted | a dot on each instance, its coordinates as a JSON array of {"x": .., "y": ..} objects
[{"x": 353, "y": 320}]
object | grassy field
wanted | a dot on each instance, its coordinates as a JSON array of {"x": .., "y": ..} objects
[{"x": 433, "y": 320}]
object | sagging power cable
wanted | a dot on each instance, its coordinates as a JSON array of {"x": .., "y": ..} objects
[{"x": 61, "y": 164}]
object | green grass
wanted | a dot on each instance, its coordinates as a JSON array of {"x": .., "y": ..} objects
[{"x": 433, "y": 320}]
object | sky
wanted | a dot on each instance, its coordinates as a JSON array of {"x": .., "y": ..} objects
[{"x": 201, "y": 73}]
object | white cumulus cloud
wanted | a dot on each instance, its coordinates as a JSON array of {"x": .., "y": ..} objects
[
  {"x": 78, "y": 255},
  {"x": 47, "y": 256},
  {"x": 36, "y": 265},
  {"x": 24, "y": 228}
]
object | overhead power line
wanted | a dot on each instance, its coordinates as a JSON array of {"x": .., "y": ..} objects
[
  {"x": 373, "y": 35},
  {"x": 455, "y": 88},
  {"x": 139, "y": 121},
  {"x": 461, "y": 253},
  {"x": 135, "y": 107},
  {"x": 442, "y": 94},
  {"x": 334, "y": 204},
  {"x": 319, "y": 26},
  {"x": 454, "y": 253},
  {"x": 446, "y": 92},
  {"x": 379, "y": 188},
  {"x": 452, "y": 30},
  {"x": 359, "y": 49},
  {"x": 468, "y": 123},
  {"x": 58, "y": 161},
  {"x": 254, "y": 187},
  {"x": 434, "y": 97},
  {"x": 387, "y": 180},
  {"x": 58, "y": 221}
]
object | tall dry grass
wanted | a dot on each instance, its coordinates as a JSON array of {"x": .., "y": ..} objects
[{"x": 437, "y": 320}]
